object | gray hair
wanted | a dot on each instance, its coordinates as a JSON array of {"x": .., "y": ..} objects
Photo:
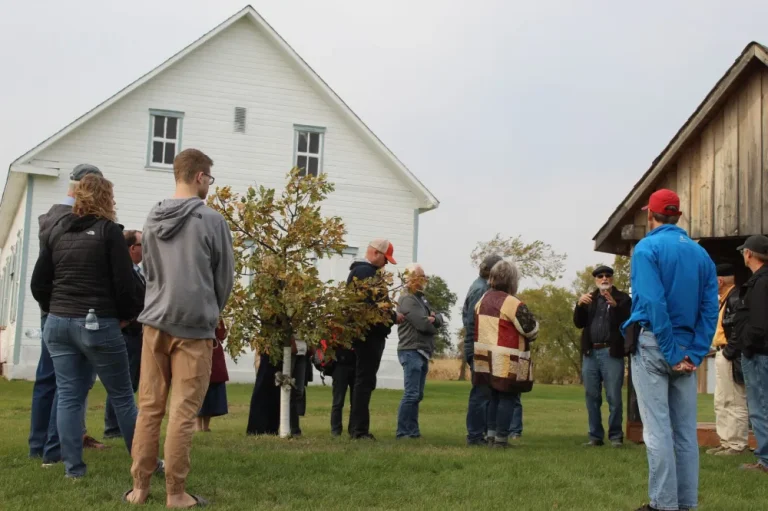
[
  {"x": 504, "y": 277},
  {"x": 414, "y": 269},
  {"x": 487, "y": 263}
]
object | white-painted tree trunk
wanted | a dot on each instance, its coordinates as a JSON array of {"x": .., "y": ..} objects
[{"x": 285, "y": 396}]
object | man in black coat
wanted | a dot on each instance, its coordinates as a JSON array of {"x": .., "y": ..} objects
[
  {"x": 368, "y": 351},
  {"x": 132, "y": 333},
  {"x": 600, "y": 314}
]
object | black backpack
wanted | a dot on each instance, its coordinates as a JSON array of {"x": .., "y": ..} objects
[{"x": 322, "y": 362}]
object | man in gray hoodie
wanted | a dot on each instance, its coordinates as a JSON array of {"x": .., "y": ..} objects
[{"x": 189, "y": 268}]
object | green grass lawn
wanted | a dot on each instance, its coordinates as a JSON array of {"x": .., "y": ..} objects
[{"x": 547, "y": 470}]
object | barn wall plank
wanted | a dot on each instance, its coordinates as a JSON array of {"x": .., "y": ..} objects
[
  {"x": 707, "y": 163},
  {"x": 692, "y": 157},
  {"x": 726, "y": 190},
  {"x": 750, "y": 157},
  {"x": 764, "y": 104},
  {"x": 684, "y": 191}
]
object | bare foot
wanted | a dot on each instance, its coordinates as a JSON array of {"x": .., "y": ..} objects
[
  {"x": 182, "y": 500},
  {"x": 137, "y": 496}
]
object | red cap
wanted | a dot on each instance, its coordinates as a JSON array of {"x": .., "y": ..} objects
[
  {"x": 664, "y": 202},
  {"x": 386, "y": 248}
]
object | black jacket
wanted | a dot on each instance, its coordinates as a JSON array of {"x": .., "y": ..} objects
[
  {"x": 48, "y": 221},
  {"x": 731, "y": 304},
  {"x": 751, "y": 317},
  {"x": 363, "y": 270},
  {"x": 584, "y": 314},
  {"x": 85, "y": 265},
  {"x": 134, "y": 328}
]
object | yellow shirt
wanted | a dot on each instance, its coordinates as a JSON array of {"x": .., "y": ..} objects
[{"x": 719, "y": 339}]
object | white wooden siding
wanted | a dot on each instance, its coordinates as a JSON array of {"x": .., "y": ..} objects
[
  {"x": 238, "y": 68},
  {"x": 8, "y": 336}
]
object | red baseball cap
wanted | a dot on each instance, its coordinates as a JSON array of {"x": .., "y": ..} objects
[
  {"x": 664, "y": 202},
  {"x": 386, "y": 248}
]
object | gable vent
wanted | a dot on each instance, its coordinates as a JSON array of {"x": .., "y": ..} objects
[{"x": 239, "y": 119}]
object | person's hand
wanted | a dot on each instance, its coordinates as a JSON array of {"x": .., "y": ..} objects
[
  {"x": 585, "y": 299},
  {"x": 608, "y": 298},
  {"x": 685, "y": 366},
  {"x": 400, "y": 318},
  {"x": 431, "y": 319},
  {"x": 124, "y": 323}
]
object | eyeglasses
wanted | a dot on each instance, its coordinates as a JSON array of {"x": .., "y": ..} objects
[
  {"x": 603, "y": 276},
  {"x": 211, "y": 179}
]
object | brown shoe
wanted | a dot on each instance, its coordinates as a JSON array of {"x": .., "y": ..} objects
[
  {"x": 91, "y": 443},
  {"x": 755, "y": 467}
]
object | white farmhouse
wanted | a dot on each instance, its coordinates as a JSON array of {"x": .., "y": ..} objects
[{"x": 241, "y": 94}]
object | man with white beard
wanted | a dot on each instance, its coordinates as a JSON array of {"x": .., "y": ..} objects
[{"x": 600, "y": 314}]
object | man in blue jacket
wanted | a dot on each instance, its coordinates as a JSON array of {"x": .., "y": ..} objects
[{"x": 675, "y": 309}]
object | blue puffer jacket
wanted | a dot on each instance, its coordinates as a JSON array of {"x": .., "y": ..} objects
[
  {"x": 674, "y": 293},
  {"x": 476, "y": 291}
]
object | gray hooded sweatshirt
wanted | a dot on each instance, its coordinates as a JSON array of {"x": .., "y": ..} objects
[{"x": 189, "y": 267}]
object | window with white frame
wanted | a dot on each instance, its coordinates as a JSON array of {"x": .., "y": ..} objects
[
  {"x": 308, "y": 149},
  {"x": 164, "y": 137},
  {"x": 4, "y": 298},
  {"x": 13, "y": 276}
]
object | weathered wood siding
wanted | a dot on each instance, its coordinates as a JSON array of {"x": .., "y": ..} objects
[{"x": 721, "y": 175}]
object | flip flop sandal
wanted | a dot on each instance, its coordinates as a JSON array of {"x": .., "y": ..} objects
[
  {"x": 199, "y": 501},
  {"x": 125, "y": 498}
]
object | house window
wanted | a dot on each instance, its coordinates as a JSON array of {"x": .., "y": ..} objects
[
  {"x": 308, "y": 149},
  {"x": 164, "y": 137},
  {"x": 13, "y": 277},
  {"x": 4, "y": 298}
]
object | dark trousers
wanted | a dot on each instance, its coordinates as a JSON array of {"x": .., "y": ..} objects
[
  {"x": 368, "y": 354},
  {"x": 43, "y": 434},
  {"x": 343, "y": 378},
  {"x": 299, "y": 392},
  {"x": 133, "y": 345}
]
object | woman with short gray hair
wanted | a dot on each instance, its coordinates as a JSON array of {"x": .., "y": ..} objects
[{"x": 502, "y": 358}]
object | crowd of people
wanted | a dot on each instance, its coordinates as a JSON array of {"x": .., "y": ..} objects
[{"x": 142, "y": 311}]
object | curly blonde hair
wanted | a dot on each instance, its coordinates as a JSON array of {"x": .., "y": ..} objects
[{"x": 93, "y": 196}]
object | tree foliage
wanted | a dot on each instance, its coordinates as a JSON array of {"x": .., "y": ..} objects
[
  {"x": 585, "y": 282},
  {"x": 442, "y": 300},
  {"x": 557, "y": 350},
  {"x": 279, "y": 297},
  {"x": 535, "y": 260}
]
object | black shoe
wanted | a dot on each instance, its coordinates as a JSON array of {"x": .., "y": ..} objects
[
  {"x": 617, "y": 443},
  {"x": 594, "y": 443},
  {"x": 111, "y": 436},
  {"x": 365, "y": 436},
  {"x": 646, "y": 507}
]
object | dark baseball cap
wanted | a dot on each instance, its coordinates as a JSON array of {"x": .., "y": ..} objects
[
  {"x": 83, "y": 170},
  {"x": 757, "y": 244},
  {"x": 725, "y": 270}
]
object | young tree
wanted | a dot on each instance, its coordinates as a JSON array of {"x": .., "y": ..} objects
[
  {"x": 280, "y": 297},
  {"x": 442, "y": 300},
  {"x": 535, "y": 260}
]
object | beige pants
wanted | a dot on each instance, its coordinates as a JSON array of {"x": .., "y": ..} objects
[
  {"x": 184, "y": 365},
  {"x": 730, "y": 406}
]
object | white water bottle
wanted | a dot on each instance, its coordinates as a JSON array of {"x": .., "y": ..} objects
[{"x": 91, "y": 321}]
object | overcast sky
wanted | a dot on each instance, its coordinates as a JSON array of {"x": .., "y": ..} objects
[{"x": 531, "y": 118}]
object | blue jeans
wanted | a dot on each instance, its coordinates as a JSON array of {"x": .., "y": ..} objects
[
  {"x": 133, "y": 347},
  {"x": 75, "y": 351},
  {"x": 600, "y": 368},
  {"x": 43, "y": 435},
  {"x": 756, "y": 379},
  {"x": 667, "y": 402},
  {"x": 415, "y": 369},
  {"x": 502, "y": 408},
  {"x": 477, "y": 410}
]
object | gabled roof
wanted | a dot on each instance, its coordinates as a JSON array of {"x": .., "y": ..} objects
[
  {"x": 753, "y": 52},
  {"x": 427, "y": 201}
]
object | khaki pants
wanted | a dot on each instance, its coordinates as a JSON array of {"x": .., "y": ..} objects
[
  {"x": 185, "y": 366},
  {"x": 730, "y": 407}
]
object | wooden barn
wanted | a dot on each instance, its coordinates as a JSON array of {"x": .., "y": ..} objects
[{"x": 718, "y": 164}]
